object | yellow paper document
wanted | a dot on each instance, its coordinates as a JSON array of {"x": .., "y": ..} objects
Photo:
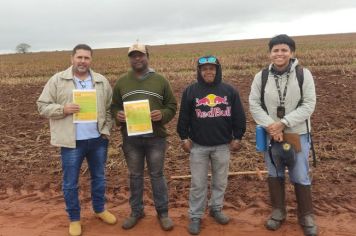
[
  {"x": 138, "y": 117},
  {"x": 86, "y": 99}
]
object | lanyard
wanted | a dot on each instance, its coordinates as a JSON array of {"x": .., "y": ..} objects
[{"x": 281, "y": 98}]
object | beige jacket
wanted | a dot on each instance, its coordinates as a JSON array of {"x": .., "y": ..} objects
[
  {"x": 295, "y": 116},
  {"x": 58, "y": 92}
]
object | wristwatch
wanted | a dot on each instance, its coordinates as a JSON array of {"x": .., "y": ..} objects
[{"x": 285, "y": 122}]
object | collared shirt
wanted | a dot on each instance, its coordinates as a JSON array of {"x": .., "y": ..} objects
[
  {"x": 86, "y": 130},
  {"x": 149, "y": 71}
]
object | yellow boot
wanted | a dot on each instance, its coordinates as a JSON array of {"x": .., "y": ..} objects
[
  {"x": 75, "y": 229},
  {"x": 107, "y": 217}
]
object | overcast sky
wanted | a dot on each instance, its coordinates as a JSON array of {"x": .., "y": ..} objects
[{"x": 61, "y": 24}]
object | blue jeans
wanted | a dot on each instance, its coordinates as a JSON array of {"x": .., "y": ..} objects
[
  {"x": 200, "y": 158},
  {"x": 95, "y": 151},
  {"x": 151, "y": 149},
  {"x": 299, "y": 174}
]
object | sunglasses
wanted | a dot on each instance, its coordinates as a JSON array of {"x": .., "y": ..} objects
[
  {"x": 82, "y": 83},
  {"x": 207, "y": 60}
]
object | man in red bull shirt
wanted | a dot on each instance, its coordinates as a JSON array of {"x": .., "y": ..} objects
[{"x": 211, "y": 124}]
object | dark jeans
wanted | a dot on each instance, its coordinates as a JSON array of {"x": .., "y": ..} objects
[
  {"x": 153, "y": 149},
  {"x": 95, "y": 151}
]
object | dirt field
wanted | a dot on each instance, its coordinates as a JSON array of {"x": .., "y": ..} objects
[{"x": 31, "y": 201}]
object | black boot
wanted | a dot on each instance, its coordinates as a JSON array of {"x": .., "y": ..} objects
[
  {"x": 305, "y": 209},
  {"x": 277, "y": 195}
]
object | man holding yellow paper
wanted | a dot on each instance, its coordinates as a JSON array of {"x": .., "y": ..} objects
[
  {"x": 77, "y": 103},
  {"x": 138, "y": 117},
  {"x": 143, "y": 83}
]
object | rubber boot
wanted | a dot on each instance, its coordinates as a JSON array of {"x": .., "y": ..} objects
[
  {"x": 276, "y": 188},
  {"x": 305, "y": 209}
]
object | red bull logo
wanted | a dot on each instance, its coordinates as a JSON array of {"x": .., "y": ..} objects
[
  {"x": 213, "y": 112},
  {"x": 220, "y": 100},
  {"x": 203, "y": 101},
  {"x": 211, "y": 100}
]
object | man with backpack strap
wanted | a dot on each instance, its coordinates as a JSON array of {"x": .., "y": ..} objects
[{"x": 283, "y": 108}]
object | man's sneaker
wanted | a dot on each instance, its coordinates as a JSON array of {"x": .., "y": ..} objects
[
  {"x": 220, "y": 217},
  {"x": 107, "y": 217},
  {"x": 75, "y": 229},
  {"x": 194, "y": 226},
  {"x": 165, "y": 222},
  {"x": 132, "y": 220}
]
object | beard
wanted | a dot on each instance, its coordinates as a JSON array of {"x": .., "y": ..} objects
[
  {"x": 81, "y": 69},
  {"x": 139, "y": 68}
]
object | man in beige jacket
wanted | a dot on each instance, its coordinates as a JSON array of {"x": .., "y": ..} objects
[
  {"x": 79, "y": 140},
  {"x": 283, "y": 106}
]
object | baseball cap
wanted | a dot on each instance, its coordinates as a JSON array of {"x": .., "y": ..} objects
[{"x": 139, "y": 48}]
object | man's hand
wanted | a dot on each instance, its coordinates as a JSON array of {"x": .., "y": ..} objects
[
  {"x": 235, "y": 145},
  {"x": 275, "y": 128},
  {"x": 70, "y": 108},
  {"x": 120, "y": 116},
  {"x": 278, "y": 137},
  {"x": 187, "y": 145},
  {"x": 156, "y": 115}
]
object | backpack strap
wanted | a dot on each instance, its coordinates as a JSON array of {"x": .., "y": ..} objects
[
  {"x": 300, "y": 77},
  {"x": 265, "y": 73}
]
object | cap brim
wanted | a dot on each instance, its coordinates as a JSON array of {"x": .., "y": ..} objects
[
  {"x": 207, "y": 63},
  {"x": 136, "y": 51}
]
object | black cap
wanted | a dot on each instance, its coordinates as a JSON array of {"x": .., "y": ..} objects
[{"x": 283, "y": 153}]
